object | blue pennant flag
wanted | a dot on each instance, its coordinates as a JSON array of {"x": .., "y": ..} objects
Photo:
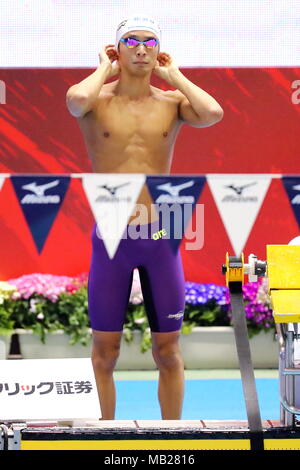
[
  {"x": 175, "y": 198},
  {"x": 292, "y": 187},
  {"x": 40, "y": 198}
]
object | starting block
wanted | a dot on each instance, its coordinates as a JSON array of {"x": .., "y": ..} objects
[{"x": 282, "y": 269}]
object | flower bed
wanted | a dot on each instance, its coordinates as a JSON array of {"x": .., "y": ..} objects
[
  {"x": 45, "y": 303},
  {"x": 6, "y": 308}
]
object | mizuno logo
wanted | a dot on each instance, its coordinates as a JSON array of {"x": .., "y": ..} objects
[
  {"x": 173, "y": 193},
  {"x": 112, "y": 193},
  {"x": 39, "y": 196},
  {"x": 121, "y": 24},
  {"x": 238, "y": 196},
  {"x": 239, "y": 189},
  {"x": 112, "y": 189},
  {"x": 40, "y": 190},
  {"x": 296, "y": 199},
  {"x": 175, "y": 190}
]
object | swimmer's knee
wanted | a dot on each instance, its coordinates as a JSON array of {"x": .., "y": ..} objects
[
  {"x": 105, "y": 349},
  {"x": 105, "y": 360},
  {"x": 167, "y": 356}
]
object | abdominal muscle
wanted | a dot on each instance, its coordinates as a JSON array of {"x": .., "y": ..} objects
[{"x": 144, "y": 211}]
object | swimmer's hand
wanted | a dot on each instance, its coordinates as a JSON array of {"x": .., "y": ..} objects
[
  {"x": 109, "y": 55},
  {"x": 165, "y": 67}
]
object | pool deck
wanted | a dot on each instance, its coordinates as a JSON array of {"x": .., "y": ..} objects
[{"x": 204, "y": 374}]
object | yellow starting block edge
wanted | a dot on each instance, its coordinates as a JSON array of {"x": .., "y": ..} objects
[
  {"x": 286, "y": 305},
  {"x": 192, "y": 444},
  {"x": 153, "y": 445},
  {"x": 286, "y": 318},
  {"x": 283, "y": 266}
]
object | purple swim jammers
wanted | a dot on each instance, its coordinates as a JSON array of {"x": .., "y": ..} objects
[{"x": 161, "y": 275}]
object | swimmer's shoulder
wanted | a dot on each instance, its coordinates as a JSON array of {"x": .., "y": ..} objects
[
  {"x": 105, "y": 95},
  {"x": 107, "y": 91},
  {"x": 172, "y": 96}
]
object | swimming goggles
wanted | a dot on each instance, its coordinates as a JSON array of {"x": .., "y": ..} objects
[{"x": 131, "y": 42}]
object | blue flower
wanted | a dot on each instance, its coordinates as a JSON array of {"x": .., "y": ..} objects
[
  {"x": 199, "y": 294},
  {"x": 255, "y": 294}
]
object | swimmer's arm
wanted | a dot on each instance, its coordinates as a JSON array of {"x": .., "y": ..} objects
[
  {"x": 196, "y": 107},
  {"x": 81, "y": 97}
]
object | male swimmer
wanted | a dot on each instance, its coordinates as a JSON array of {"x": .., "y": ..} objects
[{"x": 130, "y": 126}]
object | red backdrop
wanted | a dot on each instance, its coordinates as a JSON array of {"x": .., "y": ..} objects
[{"x": 258, "y": 134}]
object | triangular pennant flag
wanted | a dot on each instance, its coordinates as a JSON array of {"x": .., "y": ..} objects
[
  {"x": 2, "y": 179},
  {"x": 40, "y": 198},
  {"x": 175, "y": 198},
  {"x": 292, "y": 187},
  {"x": 239, "y": 199},
  {"x": 112, "y": 197}
]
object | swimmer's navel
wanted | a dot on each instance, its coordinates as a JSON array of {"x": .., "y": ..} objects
[
  {"x": 106, "y": 134},
  {"x": 165, "y": 134}
]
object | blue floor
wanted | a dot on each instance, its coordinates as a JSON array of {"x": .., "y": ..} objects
[{"x": 220, "y": 399}]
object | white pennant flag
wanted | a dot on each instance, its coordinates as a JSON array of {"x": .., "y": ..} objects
[
  {"x": 239, "y": 199},
  {"x": 2, "y": 179},
  {"x": 112, "y": 197}
]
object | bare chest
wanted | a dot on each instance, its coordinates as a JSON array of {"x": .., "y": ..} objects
[{"x": 121, "y": 121}]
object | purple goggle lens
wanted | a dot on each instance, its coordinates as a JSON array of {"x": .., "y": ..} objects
[{"x": 131, "y": 42}]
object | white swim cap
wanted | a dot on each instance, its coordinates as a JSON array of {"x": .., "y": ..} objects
[{"x": 138, "y": 23}]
